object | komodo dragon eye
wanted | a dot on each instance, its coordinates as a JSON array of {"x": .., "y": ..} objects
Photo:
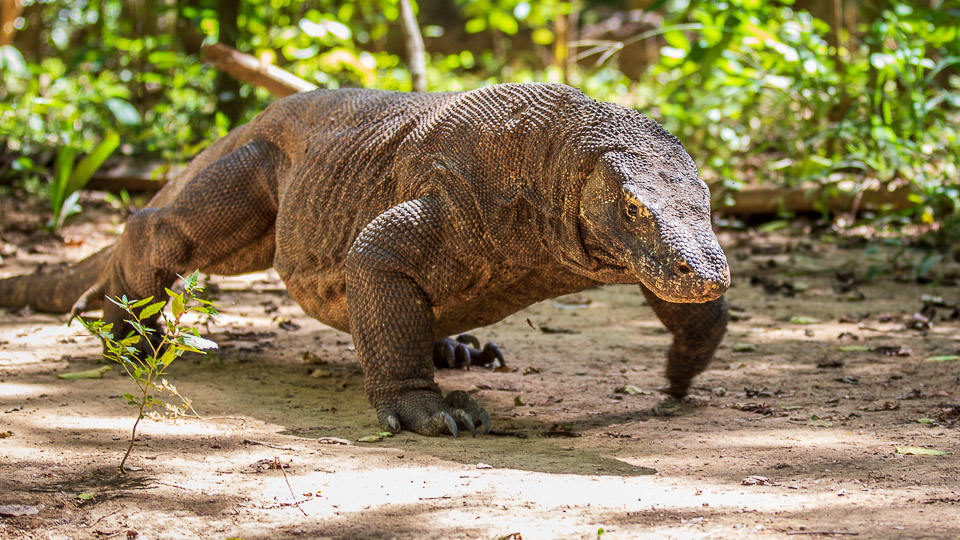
[{"x": 633, "y": 211}]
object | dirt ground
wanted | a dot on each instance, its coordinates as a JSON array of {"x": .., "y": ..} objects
[{"x": 793, "y": 431}]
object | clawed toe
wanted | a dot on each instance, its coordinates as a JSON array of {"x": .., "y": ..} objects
[
  {"x": 433, "y": 415},
  {"x": 469, "y": 339},
  {"x": 450, "y": 424},
  {"x": 464, "y": 352}
]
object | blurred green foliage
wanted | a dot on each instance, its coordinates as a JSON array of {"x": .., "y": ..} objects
[{"x": 758, "y": 91}]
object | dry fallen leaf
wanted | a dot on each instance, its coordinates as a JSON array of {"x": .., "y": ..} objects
[{"x": 920, "y": 451}]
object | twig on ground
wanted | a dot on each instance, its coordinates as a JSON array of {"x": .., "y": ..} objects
[
  {"x": 334, "y": 440},
  {"x": 837, "y": 533},
  {"x": 268, "y": 445},
  {"x": 292, "y": 494},
  {"x": 172, "y": 485},
  {"x": 101, "y": 518}
]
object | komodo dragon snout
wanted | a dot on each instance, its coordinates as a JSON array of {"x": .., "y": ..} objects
[{"x": 653, "y": 224}]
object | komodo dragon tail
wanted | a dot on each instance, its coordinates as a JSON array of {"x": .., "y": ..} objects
[{"x": 57, "y": 291}]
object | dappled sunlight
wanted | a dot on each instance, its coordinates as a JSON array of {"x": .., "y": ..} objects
[
  {"x": 574, "y": 453},
  {"x": 17, "y": 392}
]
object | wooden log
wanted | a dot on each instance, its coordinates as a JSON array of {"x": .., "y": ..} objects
[
  {"x": 133, "y": 177},
  {"x": 764, "y": 200},
  {"x": 251, "y": 70}
]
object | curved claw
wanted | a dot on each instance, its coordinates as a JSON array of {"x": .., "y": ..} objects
[
  {"x": 451, "y": 424},
  {"x": 465, "y": 419},
  {"x": 485, "y": 420},
  {"x": 444, "y": 354},
  {"x": 89, "y": 298},
  {"x": 492, "y": 353},
  {"x": 469, "y": 339},
  {"x": 449, "y": 354},
  {"x": 393, "y": 423},
  {"x": 464, "y": 356},
  {"x": 464, "y": 351}
]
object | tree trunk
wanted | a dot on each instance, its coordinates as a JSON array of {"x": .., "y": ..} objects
[
  {"x": 227, "y": 88},
  {"x": 416, "y": 59},
  {"x": 9, "y": 11},
  {"x": 30, "y": 41}
]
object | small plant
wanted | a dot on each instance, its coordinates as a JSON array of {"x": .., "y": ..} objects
[
  {"x": 69, "y": 177},
  {"x": 145, "y": 354}
]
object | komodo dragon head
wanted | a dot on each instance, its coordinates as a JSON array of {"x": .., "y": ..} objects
[{"x": 645, "y": 213}]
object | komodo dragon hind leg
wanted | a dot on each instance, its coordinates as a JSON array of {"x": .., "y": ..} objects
[
  {"x": 697, "y": 331},
  {"x": 394, "y": 336},
  {"x": 464, "y": 351},
  {"x": 222, "y": 221}
]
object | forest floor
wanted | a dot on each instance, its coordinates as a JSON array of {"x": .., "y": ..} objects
[{"x": 803, "y": 426}]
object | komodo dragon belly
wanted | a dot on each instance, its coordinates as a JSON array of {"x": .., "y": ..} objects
[{"x": 322, "y": 295}]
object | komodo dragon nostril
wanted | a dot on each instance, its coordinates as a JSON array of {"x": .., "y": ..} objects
[{"x": 683, "y": 268}]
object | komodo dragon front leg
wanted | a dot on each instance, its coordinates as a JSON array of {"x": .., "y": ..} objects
[
  {"x": 222, "y": 222},
  {"x": 396, "y": 273},
  {"x": 697, "y": 331}
]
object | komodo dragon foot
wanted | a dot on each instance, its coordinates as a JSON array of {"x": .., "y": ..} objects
[
  {"x": 429, "y": 413},
  {"x": 464, "y": 351}
]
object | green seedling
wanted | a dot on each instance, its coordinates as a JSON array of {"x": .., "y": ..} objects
[{"x": 145, "y": 353}]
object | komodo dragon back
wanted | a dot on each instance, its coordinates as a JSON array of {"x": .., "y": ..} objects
[{"x": 406, "y": 218}]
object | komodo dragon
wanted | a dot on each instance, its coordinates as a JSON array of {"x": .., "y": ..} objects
[{"x": 404, "y": 218}]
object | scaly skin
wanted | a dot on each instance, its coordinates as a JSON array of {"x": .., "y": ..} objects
[{"x": 405, "y": 218}]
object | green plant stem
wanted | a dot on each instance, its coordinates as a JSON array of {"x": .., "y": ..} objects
[
  {"x": 143, "y": 398},
  {"x": 133, "y": 435}
]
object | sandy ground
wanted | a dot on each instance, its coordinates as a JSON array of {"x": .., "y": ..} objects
[{"x": 793, "y": 431}]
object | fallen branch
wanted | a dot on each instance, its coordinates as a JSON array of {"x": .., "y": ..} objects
[
  {"x": 292, "y": 494},
  {"x": 251, "y": 70},
  {"x": 268, "y": 445},
  {"x": 763, "y": 200},
  {"x": 818, "y": 533},
  {"x": 133, "y": 177}
]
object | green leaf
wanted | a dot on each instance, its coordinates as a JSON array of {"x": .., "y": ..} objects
[
  {"x": 476, "y": 25},
  {"x": 152, "y": 309},
  {"x": 677, "y": 40},
  {"x": 143, "y": 302},
  {"x": 943, "y": 358},
  {"x": 66, "y": 157},
  {"x": 168, "y": 357},
  {"x": 744, "y": 347},
  {"x": 773, "y": 226},
  {"x": 84, "y": 170},
  {"x": 190, "y": 282},
  {"x": 854, "y": 348},
  {"x": 920, "y": 451},
  {"x": 177, "y": 307},
  {"x": 124, "y": 112},
  {"x": 925, "y": 420},
  {"x": 198, "y": 342},
  {"x": 89, "y": 374},
  {"x": 542, "y": 36},
  {"x": 85, "y": 496},
  {"x": 800, "y": 319}
]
